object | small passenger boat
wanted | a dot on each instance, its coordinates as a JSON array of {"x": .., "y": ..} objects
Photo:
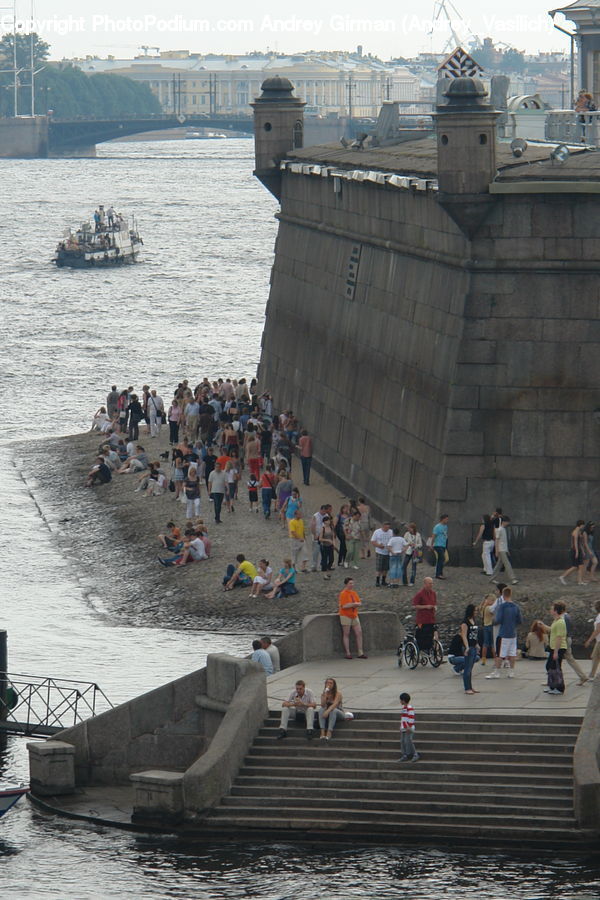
[
  {"x": 109, "y": 241},
  {"x": 10, "y": 796}
]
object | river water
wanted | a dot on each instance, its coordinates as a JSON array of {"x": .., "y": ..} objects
[{"x": 193, "y": 307}]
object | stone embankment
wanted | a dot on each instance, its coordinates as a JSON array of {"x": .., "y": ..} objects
[{"x": 110, "y": 534}]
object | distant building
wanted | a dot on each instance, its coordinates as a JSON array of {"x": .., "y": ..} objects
[{"x": 330, "y": 83}]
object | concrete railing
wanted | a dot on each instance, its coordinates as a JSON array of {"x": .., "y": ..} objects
[
  {"x": 586, "y": 767},
  {"x": 320, "y": 637},
  {"x": 564, "y": 125}
]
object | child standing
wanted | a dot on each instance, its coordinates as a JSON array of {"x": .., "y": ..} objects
[
  {"x": 407, "y": 727},
  {"x": 253, "y": 492}
]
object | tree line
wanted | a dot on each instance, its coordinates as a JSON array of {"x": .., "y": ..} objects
[{"x": 65, "y": 89}]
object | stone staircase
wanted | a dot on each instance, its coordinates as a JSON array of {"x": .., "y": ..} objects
[{"x": 502, "y": 779}]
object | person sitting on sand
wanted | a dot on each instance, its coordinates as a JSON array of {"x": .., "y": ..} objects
[
  {"x": 241, "y": 575},
  {"x": 263, "y": 579},
  {"x": 99, "y": 473},
  {"x": 136, "y": 463},
  {"x": 285, "y": 583},
  {"x": 172, "y": 539},
  {"x": 536, "y": 640},
  {"x": 193, "y": 551},
  {"x": 101, "y": 420}
]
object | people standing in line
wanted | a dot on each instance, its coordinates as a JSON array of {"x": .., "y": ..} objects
[
  {"x": 469, "y": 633},
  {"x": 380, "y": 539},
  {"x": 217, "y": 486},
  {"x": 365, "y": 527},
  {"x": 501, "y": 550},
  {"x": 301, "y": 702},
  {"x": 348, "y": 605},
  {"x": 327, "y": 544},
  {"x": 577, "y": 555},
  {"x": 413, "y": 552},
  {"x": 353, "y": 541},
  {"x": 439, "y": 544},
  {"x": 331, "y": 709},
  {"x": 407, "y": 730},
  {"x": 486, "y": 536},
  {"x": 297, "y": 535},
  {"x": 396, "y": 547},
  {"x": 558, "y": 642},
  {"x": 508, "y": 617},
  {"x": 305, "y": 447},
  {"x": 595, "y": 636}
]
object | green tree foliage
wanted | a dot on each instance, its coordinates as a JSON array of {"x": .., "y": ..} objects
[
  {"x": 41, "y": 50},
  {"x": 494, "y": 59},
  {"x": 67, "y": 91}
]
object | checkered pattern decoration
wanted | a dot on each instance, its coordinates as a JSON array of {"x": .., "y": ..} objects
[{"x": 460, "y": 64}]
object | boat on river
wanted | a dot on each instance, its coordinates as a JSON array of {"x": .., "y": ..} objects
[
  {"x": 10, "y": 796},
  {"x": 109, "y": 241}
]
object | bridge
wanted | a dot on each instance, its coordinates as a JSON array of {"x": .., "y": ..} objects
[{"x": 66, "y": 135}]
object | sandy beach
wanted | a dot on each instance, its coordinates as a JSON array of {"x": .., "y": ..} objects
[{"x": 110, "y": 534}]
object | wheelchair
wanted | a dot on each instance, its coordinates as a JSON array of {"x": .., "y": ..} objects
[{"x": 421, "y": 648}]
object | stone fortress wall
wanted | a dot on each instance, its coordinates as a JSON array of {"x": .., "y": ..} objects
[{"x": 445, "y": 361}]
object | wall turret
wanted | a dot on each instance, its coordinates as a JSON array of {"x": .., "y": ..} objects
[
  {"x": 278, "y": 128},
  {"x": 466, "y": 152}
]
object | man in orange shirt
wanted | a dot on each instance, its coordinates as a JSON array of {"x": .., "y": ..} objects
[{"x": 349, "y": 602}]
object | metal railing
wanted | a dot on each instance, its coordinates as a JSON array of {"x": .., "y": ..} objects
[{"x": 35, "y": 705}]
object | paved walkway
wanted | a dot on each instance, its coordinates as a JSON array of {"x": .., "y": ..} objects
[{"x": 375, "y": 683}]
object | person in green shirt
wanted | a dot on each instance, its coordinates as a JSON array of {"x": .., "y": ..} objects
[
  {"x": 558, "y": 647},
  {"x": 238, "y": 576}
]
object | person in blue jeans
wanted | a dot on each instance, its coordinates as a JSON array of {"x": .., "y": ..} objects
[
  {"x": 469, "y": 633},
  {"x": 439, "y": 542}
]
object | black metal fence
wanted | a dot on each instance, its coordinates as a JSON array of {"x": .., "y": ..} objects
[{"x": 35, "y": 705}]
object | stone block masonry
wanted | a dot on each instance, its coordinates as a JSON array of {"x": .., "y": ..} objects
[{"x": 454, "y": 375}]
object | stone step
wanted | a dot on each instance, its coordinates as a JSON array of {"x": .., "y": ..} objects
[
  {"x": 448, "y": 726},
  {"x": 498, "y": 721},
  {"x": 497, "y": 834},
  {"x": 316, "y": 751},
  {"x": 267, "y": 784},
  {"x": 471, "y": 806},
  {"x": 345, "y": 740},
  {"x": 311, "y": 812},
  {"x": 368, "y": 768}
]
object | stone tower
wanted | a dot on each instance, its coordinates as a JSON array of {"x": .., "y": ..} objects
[
  {"x": 278, "y": 128},
  {"x": 466, "y": 152}
]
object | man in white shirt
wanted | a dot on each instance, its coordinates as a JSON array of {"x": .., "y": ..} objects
[
  {"x": 156, "y": 412},
  {"x": 301, "y": 702},
  {"x": 380, "y": 539},
  {"x": 273, "y": 652}
]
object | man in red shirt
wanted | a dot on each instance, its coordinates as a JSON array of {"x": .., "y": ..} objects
[
  {"x": 306, "y": 451},
  {"x": 425, "y": 604}
]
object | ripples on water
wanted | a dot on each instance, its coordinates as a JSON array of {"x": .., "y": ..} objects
[{"x": 194, "y": 307}]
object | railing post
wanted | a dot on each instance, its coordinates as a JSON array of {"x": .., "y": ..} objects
[{"x": 3, "y": 674}]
